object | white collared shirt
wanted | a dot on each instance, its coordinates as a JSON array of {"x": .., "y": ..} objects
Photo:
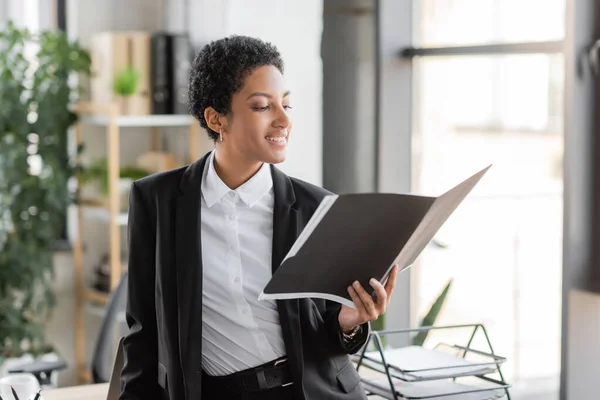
[{"x": 238, "y": 331}]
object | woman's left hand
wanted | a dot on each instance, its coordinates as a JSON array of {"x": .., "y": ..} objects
[{"x": 367, "y": 309}]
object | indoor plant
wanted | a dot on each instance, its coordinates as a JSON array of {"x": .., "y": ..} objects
[
  {"x": 35, "y": 94},
  {"x": 125, "y": 84},
  {"x": 432, "y": 315},
  {"x": 97, "y": 172}
]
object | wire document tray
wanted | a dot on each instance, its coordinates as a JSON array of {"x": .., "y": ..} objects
[{"x": 447, "y": 371}]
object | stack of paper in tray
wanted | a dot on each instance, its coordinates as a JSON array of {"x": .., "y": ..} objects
[{"x": 419, "y": 373}]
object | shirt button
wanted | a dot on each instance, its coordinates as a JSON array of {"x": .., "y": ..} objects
[
  {"x": 232, "y": 194},
  {"x": 244, "y": 311},
  {"x": 231, "y": 217},
  {"x": 237, "y": 279}
]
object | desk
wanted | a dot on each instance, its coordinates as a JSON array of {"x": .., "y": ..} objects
[{"x": 88, "y": 392}]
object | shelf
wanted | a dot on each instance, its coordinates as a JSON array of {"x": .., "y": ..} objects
[
  {"x": 96, "y": 296},
  {"x": 95, "y": 309},
  {"x": 100, "y": 311},
  {"x": 140, "y": 120},
  {"x": 110, "y": 207},
  {"x": 104, "y": 215},
  {"x": 99, "y": 209},
  {"x": 88, "y": 202},
  {"x": 84, "y": 375}
]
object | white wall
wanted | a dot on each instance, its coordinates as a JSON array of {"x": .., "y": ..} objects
[
  {"x": 583, "y": 338},
  {"x": 21, "y": 13},
  {"x": 86, "y": 17},
  {"x": 295, "y": 27}
]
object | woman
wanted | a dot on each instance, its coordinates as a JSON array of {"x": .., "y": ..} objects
[{"x": 204, "y": 241}]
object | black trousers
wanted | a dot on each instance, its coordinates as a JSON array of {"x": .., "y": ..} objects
[
  {"x": 216, "y": 388},
  {"x": 210, "y": 392}
]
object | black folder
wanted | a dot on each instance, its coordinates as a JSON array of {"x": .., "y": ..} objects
[{"x": 358, "y": 237}]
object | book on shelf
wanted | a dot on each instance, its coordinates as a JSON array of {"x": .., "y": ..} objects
[
  {"x": 171, "y": 59},
  {"x": 356, "y": 237}
]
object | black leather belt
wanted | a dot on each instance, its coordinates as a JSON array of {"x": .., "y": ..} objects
[{"x": 264, "y": 377}]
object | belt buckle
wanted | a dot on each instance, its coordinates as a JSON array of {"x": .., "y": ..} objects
[{"x": 281, "y": 362}]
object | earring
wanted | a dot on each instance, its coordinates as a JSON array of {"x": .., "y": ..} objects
[{"x": 220, "y": 135}]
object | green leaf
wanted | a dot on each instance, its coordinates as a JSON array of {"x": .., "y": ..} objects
[
  {"x": 97, "y": 171},
  {"x": 432, "y": 315},
  {"x": 379, "y": 323}
]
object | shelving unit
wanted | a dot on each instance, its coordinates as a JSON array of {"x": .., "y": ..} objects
[{"x": 107, "y": 116}]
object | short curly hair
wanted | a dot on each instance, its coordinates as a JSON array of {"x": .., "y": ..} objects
[{"x": 219, "y": 70}]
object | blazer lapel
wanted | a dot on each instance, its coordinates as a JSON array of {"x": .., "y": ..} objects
[
  {"x": 188, "y": 261},
  {"x": 285, "y": 222},
  {"x": 285, "y": 233}
]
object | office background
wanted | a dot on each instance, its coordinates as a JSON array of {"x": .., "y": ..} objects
[{"x": 413, "y": 96}]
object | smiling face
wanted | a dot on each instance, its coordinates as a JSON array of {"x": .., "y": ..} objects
[{"x": 259, "y": 125}]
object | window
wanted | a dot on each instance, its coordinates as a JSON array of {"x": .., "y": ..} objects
[
  {"x": 493, "y": 105},
  {"x": 470, "y": 22}
]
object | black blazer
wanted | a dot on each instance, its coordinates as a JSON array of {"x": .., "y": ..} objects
[{"x": 163, "y": 349}]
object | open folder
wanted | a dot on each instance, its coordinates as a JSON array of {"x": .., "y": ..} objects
[{"x": 358, "y": 237}]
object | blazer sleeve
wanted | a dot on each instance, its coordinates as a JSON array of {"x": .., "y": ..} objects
[
  {"x": 139, "y": 376},
  {"x": 332, "y": 325}
]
